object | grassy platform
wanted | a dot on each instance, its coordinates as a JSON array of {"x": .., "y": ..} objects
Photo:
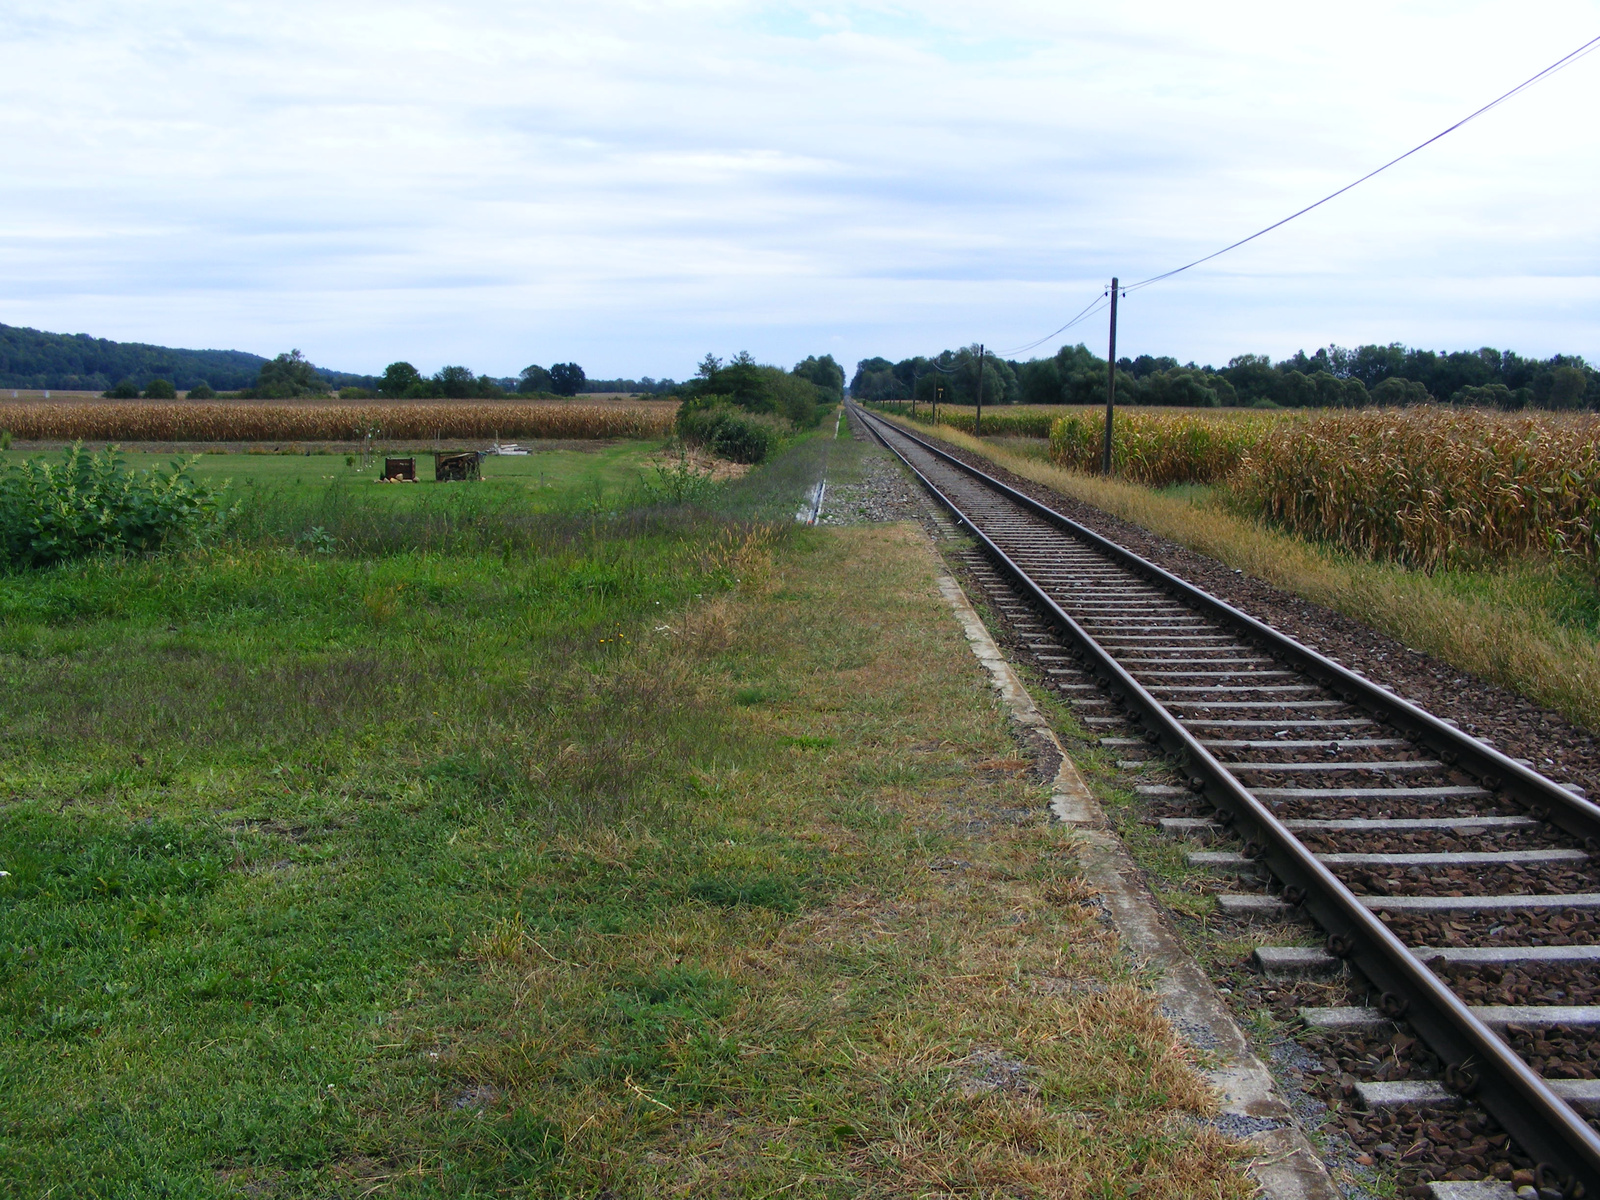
[{"x": 653, "y": 852}]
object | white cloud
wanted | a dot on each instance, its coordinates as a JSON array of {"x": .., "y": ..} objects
[{"x": 632, "y": 184}]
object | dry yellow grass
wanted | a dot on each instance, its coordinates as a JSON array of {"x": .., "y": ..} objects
[
  {"x": 958, "y": 1022},
  {"x": 266, "y": 421},
  {"x": 1492, "y": 634}
]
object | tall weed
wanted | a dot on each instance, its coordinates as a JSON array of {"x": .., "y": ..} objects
[{"x": 89, "y": 503}]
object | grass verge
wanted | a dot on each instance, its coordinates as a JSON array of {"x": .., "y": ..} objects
[
  {"x": 654, "y": 855},
  {"x": 1529, "y": 627}
]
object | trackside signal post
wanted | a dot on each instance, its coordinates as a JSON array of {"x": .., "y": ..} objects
[{"x": 1111, "y": 380}]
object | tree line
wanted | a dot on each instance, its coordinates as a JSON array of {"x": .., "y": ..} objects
[
  {"x": 292, "y": 375},
  {"x": 33, "y": 359},
  {"x": 30, "y": 358},
  {"x": 1333, "y": 377}
]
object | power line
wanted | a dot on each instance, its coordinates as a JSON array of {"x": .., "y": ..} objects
[
  {"x": 1095, "y": 305},
  {"x": 1089, "y": 310},
  {"x": 1564, "y": 61}
]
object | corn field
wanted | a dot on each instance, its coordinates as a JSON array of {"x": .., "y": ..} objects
[
  {"x": 1431, "y": 487},
  {"x": 145, "y": 421},
  {"x": 1161, "y": 447},
  {"x": 1008, "y": 420}
]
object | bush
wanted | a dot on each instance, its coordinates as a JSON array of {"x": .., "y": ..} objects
[
  {"x": 90, "y": 503},
  {"x": 743, "y": 439},
  {"x": 202, "y": 391},
  {"x": 160, "y": 389},
  {"x": 729, "y": 432},
  {"x": 126, "y": 389}
]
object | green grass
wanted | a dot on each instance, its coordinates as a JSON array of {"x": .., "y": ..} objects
[
  {"x": 553, "y": 478},
  {"x": 487, "y": 849}
]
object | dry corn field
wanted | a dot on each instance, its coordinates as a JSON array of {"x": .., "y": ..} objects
[
  {"x": 1432, "y": 487},
  {"x": 182, "y": 421},
  {"x": 1428, "y": 487},
  {"x": 1162, "y": 447},
  {"x": 1002, "y": 422}
]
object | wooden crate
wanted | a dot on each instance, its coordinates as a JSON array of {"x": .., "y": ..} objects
[{"x": 456, "y": 465}]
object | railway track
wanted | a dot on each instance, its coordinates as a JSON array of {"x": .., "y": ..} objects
[{"x": 1457, "y": 888}]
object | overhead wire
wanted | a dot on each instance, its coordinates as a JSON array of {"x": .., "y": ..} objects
[
  {"x": 1564, "y": 61},
  {"x": 1098, "y": 304},
  {"x": 1089, "y": 310}
]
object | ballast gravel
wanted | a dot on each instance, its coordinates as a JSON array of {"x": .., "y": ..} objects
[{"x": 1513, "y": 724}]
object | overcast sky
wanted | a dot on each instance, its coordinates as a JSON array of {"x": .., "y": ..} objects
[{"x": 631, "y": 185}]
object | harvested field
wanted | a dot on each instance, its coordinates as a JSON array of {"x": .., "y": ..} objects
[{"x": 250, "y": 421}]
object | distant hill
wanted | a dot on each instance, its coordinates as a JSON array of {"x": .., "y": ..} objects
[{"x": 30, "y": 358}]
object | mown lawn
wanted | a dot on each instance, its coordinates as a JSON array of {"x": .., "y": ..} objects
[{"x": 587, "y": 853}]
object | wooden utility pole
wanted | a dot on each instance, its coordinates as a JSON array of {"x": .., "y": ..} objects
[
  {"x": 938, "y": 391},
  {"x": 1111, "y": 380},
  {"x": 977, "y": 419}
]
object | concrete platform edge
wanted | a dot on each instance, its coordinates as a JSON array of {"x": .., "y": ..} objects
[{"x": 1285, "y": 1164}]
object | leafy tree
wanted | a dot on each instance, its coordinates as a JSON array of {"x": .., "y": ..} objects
[
  {"x": 746, "y": 384},
  {"x": 398, "y": 379},
  {"x": 1040, "y": 381},
  {"x": 1186, "y": 387},
  {"x": 874, "y": 380},
  {"x": 1254, "y": 378},
  {"x": 202, "y": 391},
  {"x": 825, "y": 373},
  {"x": 1488, "y": 395},
  {"x": 1373, "y": 364},
  {"x": 456, "y": 383},
  {"x": 1083, "y": 375},
  {"x": 566, "y": 379},
  {"x": 1395, "y": 392},
  {"x": 287, "y": 376},
  {"x": 1146, "y": 365},
  {"x": 1567, "y": 387},
  {"x": 999, "y": 380},
  {"x": 125, "y": 389},
  {"x": 533, "y": 379},
  {"x": 160, "y": 389}
]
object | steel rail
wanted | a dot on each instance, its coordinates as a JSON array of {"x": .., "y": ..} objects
[{"x": 1478, "y": 1062}]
